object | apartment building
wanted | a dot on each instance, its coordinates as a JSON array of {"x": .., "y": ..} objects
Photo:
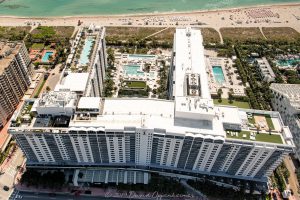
[
  {"x": 265, "y": 70},
  {"x": 14, "y": 77},
  {"x": 286, "y": 100},
  {"x": 187, "y": 135}
]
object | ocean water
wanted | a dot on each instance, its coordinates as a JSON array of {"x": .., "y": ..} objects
[{"x": 103, "y": 7}]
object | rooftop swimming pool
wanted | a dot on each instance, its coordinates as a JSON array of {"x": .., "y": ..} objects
[
  {"x": 46, "y": 56},
  {"x": 218, "y": 74},
  {"x": 84, "y": 57}
]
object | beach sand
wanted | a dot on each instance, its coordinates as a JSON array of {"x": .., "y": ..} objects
[{"x": 287, "y": 15}]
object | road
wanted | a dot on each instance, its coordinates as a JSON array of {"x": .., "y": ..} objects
[
  {"x": 42, "y": 196},
  {"x": 293, "y": 182},
  {"x": 53, "y": 79}
]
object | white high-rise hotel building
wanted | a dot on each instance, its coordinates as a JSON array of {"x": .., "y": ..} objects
[{"x": 188, "y": 135}]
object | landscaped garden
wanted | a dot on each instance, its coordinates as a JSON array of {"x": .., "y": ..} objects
[
  {"x": 286, "y": 34},
  {"x": 239, "y": 104},
  {"x": 210, "y": 35},
  {"x": 14, "y": 33},
  {"x": 241, "y": 34},
  {"x": 267, "y": 117},
  {"x": 44, "y": 39},
  {"x": 260, "y": 137},
  {"x": 140, "y": 36},
  {"x": 134, "y": 84},
  {"x": 134, "y": 88}
]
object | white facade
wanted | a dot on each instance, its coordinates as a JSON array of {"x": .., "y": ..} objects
[
  {"x": 286, "y": 100},
  {"x": 188, "y": 135},
  {"x": 265, "y": 70},
  {"x": 56, "y": 103},
  {"x": 98, "y": 66}
]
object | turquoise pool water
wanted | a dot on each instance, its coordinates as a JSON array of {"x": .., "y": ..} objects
[
  {"x": 133, "y": 70},
  {"x": 141, "y": 56},
  {"x": 218, "y": 74},
  {"x": 46, "y": 56},
  {"x": 287, "y": 63},
  {"x": 84, "y": 57}
]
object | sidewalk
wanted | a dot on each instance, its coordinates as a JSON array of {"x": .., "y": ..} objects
[{"x": 10, "y": 172}]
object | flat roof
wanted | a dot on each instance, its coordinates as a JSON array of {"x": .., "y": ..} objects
[
  {"x": 265, "y": 67},
  {"x": 149, "y": 113},
  {"x": 76, "y": 82},
  {"x": 138, "y": 106},
  {"x": 8, "y": 50},
  {"x": 291, "y": 91},
  {"x": 192, "y": 113},
  {"x": 89, "y": 103},
  {"x": 189, "y": 58}
]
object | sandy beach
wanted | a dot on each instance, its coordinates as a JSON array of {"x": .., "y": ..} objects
[{"x": 287, "y": 15}]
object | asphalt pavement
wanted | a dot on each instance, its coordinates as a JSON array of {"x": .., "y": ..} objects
[{"x": 44, "y": 196}]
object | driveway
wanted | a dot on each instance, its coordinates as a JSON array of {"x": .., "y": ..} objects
[{"x": 53, "y": 78}]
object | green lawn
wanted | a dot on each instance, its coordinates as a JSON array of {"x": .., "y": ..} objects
[
  {"x": 261, "y": 137},
  {"x": 239, "y": 104},
  {"x": 37, "y": 46},
  {"x": 269, "y": 122},
  {"x": 40, "y": 89},
  {"x": 268, "y": 138},
  {"x": 135, "y": 84}
]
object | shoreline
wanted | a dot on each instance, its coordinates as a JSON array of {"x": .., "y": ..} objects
[{"x": 191, "y": 12}]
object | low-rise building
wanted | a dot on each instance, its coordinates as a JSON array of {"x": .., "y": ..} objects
[
  {"x": 75, "y": 82},
  {"x": 264, "y": 69}
]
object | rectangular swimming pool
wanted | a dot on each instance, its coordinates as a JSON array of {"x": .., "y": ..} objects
[
  {"x": 141, "y": 56},
  {"x": 133, "y": 70},
  {"x": 46, "y": 56},
  {"x": 84, "y": 57},
  {"x": 288, "y": 63},
  {"x": 218, "y": 74}
]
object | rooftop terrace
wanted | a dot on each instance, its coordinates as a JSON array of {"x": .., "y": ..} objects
[
  {"x": 8, "y": 50},
  {"x": 115, "y": 114},
  {"x": 255, "y": 136}
]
